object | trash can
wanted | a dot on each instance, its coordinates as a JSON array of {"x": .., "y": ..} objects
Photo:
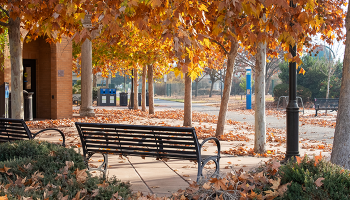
[
  {"x": 140, "y": 99},
  {"x": 27, "y": 104},
  {"x": 112, "y": 97},
  {"x": 103, "y": 99},
  {"x": 123, "y": 99}
]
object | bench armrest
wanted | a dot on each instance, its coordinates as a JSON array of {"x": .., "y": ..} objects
[
  {"x": 215, "y": 140},
  {"x": 52, "y": 129}
]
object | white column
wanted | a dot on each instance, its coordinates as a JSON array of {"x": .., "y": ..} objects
[{"x": 86, "y": 108}]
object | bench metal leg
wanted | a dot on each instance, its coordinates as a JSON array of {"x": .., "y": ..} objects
[
  {"x": 102, "y": 168},
  {"x": 201, "y": 165}
]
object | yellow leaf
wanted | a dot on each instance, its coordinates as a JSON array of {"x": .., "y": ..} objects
[
  {"x": 206, "y": 42},
  {"x": 203, "y": 7}
]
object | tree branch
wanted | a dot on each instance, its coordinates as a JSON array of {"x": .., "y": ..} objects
[
  {"x": 220, "y": 45},
  {"x": 4, "y": 24},
  {"x": 5, "y": 11}
]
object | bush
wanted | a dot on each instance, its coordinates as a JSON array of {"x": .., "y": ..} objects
[
  {"x": 335, "y": 183},
  {"x": 283, "y": 90},
  {"x": 34, "y": 168}
]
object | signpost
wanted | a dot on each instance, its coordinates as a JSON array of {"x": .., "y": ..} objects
[{"x": 248, "y": 87}]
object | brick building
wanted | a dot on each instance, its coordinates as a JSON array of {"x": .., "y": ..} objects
[{"x": 47, "y": 71}]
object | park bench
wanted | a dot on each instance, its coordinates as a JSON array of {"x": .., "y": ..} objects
[
  {"x": 17, "y": 129},
  {"x": 138, "y": 140},
  {"x": 326, "y": 104}
]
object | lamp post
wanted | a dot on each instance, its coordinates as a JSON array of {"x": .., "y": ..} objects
[{"x": 292, "y": 108}]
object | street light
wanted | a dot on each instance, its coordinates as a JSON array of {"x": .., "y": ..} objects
[{"x": 292, "y": 108}]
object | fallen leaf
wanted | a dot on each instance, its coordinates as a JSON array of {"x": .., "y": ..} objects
[{"x": 318, "y": 182}]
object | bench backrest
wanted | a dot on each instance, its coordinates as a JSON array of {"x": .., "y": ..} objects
[
  {"x": 155, "y": 141},
  {"x": 325, "y": 103},
  {"x": 13, "y": 129}
]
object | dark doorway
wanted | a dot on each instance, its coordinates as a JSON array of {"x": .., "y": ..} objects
[{"x": 29, "y": 80}]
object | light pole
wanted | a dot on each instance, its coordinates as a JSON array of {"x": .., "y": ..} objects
[{"x": 292, "y": 108}]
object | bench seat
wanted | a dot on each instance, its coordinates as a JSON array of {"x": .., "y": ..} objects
[{"x": 138, "y": 140}]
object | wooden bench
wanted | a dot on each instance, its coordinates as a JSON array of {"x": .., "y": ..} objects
[
  {"x": 326, "y": 104},
  {"x": 138, "y": 140},
  {"x": 17, "y": 129}
]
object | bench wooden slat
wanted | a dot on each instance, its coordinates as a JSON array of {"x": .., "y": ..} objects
[
  {"x": 99, "y": 131},
  {"x": 127, "y": 149},
  {"x": 150, "y": 154},
  {"x": 116, "y": 135},
  {"x": 104, "y": 144}
]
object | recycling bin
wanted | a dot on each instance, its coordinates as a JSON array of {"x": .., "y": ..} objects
[
  {"x": 103, "y": 97},
  {"x": 112, "y": 97},
  {"x": 123, "y": 99}
]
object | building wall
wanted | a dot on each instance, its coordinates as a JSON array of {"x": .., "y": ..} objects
[
  {"x": 5, "y": 74},
  {"x": 40, "y": 51},
  {"x": 53, "y": 76},
  {"x": 61, "y": 82}
]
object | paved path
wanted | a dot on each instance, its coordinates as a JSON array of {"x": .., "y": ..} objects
[
  {"x": 306, "y": 131},
  {"x": 151, "y": 176}
]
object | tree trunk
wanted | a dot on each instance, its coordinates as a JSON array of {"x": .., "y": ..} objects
[
  {"x": 341, "y": 144},
  {"x": 211, "y": 88},
  {"x": 150, "y": 90},
  {"x": 260, "y": 120},
  {"x": 143, "y": 101},
  {"x": 136, "y": 94},
  {"x": 17, "y": 110},
  {"x": 94, "y": 80},
  {"x": 188, "y": 101},
  {"x": 227, "y": 88},
  {"x": 86, "y": 108}
]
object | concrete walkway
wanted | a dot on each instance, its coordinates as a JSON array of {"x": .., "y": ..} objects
[{"x": 151, "y": 176}]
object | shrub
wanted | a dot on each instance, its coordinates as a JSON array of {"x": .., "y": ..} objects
[
  {"x": 335, "y": 183},
  {"x": 34, "y": 168},
  {"x": 283, "y": 90}
]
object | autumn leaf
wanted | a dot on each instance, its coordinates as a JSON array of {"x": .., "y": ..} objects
[
  {"x": 254, "y": 195},
  {"x": 81, "y": 175},
  {"x": 317, "y": 159},
  {"x": 318, "y": 182},
  {"x": 275, "y": 183},
  {"x": 207, "y": 185},
  {"x": 5, "y": 170},
  {"x": 4, "y": 197},
  {"x": 271, "y": 194},
  {"x": 298, "y": 159},
  {"x": 219, "y": 183},
  {"x": 283, "y": 188}
]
